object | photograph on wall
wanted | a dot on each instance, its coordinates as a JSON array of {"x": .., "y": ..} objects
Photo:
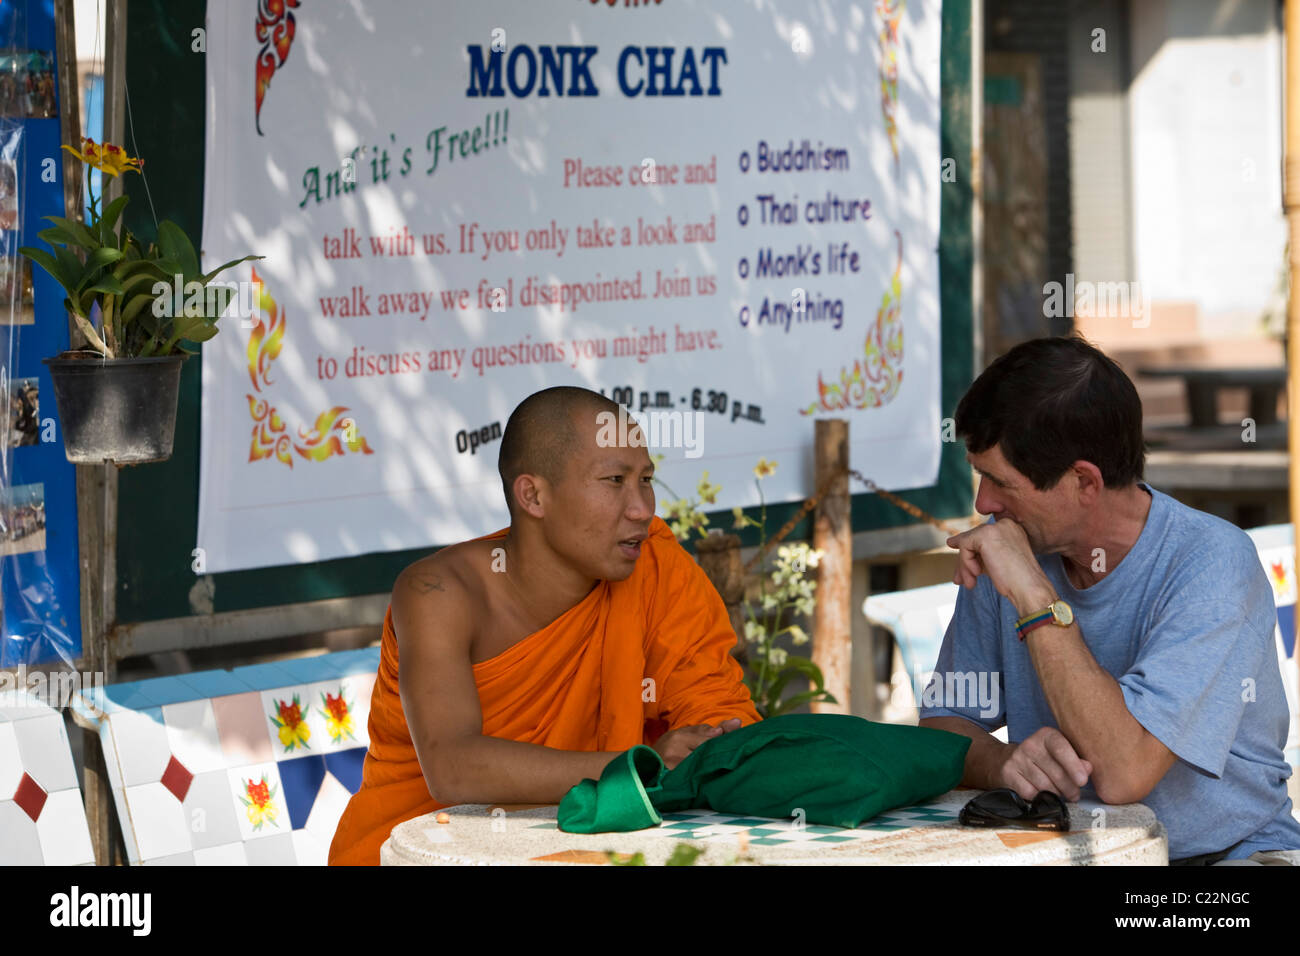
[
  {"x": 8, "y": 194},
  {"x": 27, "y": 84},
  {"x": 16, "y": 292},
  {"x": 22, "y": 519},
  {"x": 24, "y": 412}
]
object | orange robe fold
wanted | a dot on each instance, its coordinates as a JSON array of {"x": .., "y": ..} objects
[{"x": 653, "y": 647}]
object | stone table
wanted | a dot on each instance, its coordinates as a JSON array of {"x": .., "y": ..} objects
[{"x": 926, "y": 834}]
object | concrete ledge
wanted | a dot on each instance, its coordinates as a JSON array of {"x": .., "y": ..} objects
[{"x": 255, "y": 624}]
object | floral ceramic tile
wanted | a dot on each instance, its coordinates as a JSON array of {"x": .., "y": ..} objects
[
  {"x": 288, "y": 721},
  {"x": 258, "y": 799},
  {"x": 339, "y": 713}
]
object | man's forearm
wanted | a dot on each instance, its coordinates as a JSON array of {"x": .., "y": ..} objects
[
  {"x": 491, "y": 770},
  {"x": 986, "y": 756}
]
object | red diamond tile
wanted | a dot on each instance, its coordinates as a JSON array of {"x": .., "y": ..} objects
[
  {"x": 177, "y": 779},
  {"x": 30, "y": 797}
]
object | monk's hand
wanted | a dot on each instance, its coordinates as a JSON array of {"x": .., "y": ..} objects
[
  {"x": 1000, "y": 550},
  {"x": 1045, "y": 760},
  {"x": 676, "y": 745}
]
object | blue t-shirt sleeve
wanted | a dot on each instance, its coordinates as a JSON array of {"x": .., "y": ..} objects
[
  {"x": 1195, "y": 671},
  {"x": 970, "y": 658}
]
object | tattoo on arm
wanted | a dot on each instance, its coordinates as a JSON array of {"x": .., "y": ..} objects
[{"x": 424, "y": 583}]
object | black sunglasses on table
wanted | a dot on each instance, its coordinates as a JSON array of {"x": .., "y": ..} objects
[{"x": 1006, "y": 808}]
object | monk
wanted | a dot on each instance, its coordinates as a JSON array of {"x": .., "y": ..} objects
[{"x": 515, "y": 665}]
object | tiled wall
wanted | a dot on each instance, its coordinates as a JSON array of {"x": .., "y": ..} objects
[
  {"x": 251, "y": 766},
  {"x": 42, "y": 817}
]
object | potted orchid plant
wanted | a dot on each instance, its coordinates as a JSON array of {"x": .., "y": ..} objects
[{"x": 134, "y": 304}]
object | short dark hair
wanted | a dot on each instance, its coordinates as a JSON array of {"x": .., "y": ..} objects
[
  {"x": 1051, "y": 402},
  {"x": 541, "y": 434}
]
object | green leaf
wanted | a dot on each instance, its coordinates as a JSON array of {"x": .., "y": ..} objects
[
  {"x": 57, "y": 236},
  {"x": 175, "y": 245},
  {"x": 96, "y": 261},
  {"x": 797, "y": 667},
  {"x": 130, "y": 266},
  {"x": 132, "y": 308},
  {"x": 53, "y": 266},
  {"x": 83, "y": 236},
  {"x": 684, "y": 855},
  {"x": 805, "y": 667},
  {"x": 111, "y": 212},
  {"x": 167, "y": 269},
  {"x": 196, "y": 328},
  {"x": 227, "y": 265},
  {"x": 797, "y": 700},
  {"x": 108, "y": 284},
  {"x": 72, "y": 268}
]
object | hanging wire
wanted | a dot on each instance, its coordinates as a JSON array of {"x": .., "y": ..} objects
[{"x": 135, "y": 149}]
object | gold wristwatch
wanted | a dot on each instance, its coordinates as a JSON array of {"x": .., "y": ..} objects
[{"x": 1058, "y": 613}]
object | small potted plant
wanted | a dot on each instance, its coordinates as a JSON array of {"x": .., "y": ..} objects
[{"x": 135, "y": 305}]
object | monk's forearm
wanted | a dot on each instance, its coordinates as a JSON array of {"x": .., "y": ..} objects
[
  {"x": 491, "y": 770},
  {"x": 985, "y": 757}
]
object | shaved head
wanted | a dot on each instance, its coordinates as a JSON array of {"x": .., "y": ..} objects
[{"x": 542, "y": 434}]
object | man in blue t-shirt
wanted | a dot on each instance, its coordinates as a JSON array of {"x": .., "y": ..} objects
[{"x": 1130, "y": 637}]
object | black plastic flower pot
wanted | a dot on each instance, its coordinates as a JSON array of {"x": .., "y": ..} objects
[{"x": 116, "y": 410}]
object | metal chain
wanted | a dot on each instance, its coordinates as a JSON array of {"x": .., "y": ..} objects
[{"x": 811, "y": 503}]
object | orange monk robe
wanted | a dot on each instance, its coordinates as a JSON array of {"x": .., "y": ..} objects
[{"x": 653, "y": 647}]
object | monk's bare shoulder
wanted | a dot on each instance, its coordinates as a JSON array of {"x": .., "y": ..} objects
[
  {"x": 451, "y": 583},
  {"x": 437, "y": 587}
]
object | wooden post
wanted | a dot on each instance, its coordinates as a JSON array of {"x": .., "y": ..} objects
[
  {"x": 719, "y": 556},
  {"x": 833, "y": 536},
  {"x": 96, "y": 484}
]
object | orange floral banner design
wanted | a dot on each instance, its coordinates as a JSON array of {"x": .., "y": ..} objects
[
  {"x": 875, "y": 378},
  {"x": 333, "y": 430},
  {"x": 275, "y": 29},
  {"x": 890, "y": 13}
]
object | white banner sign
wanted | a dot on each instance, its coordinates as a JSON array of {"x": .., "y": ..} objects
[{"x": 725, "y": 216}]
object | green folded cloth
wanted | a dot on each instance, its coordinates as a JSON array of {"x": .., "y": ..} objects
[{"x": 839, "y": 770}]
